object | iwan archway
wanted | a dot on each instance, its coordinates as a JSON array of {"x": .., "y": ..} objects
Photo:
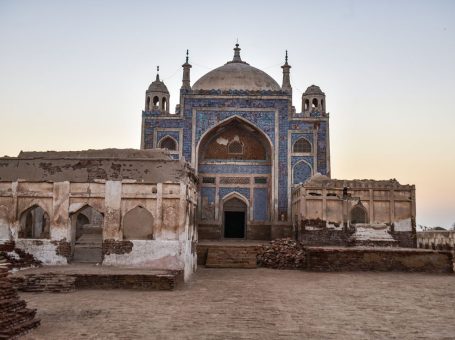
[{"x": 235, "y": 157}]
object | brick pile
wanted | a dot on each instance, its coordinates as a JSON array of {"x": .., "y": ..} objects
[
  {"x": 15, "y": 318},
  {"x": 17, "y": 258},
  {"x": 282, "y": 254}
]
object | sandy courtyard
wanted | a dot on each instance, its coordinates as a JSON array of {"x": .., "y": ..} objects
[{"x": 258, "y": 304}]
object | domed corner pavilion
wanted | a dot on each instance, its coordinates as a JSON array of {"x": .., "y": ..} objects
[{"x": 248, "y": 145}]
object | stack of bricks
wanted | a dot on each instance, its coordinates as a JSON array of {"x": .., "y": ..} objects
[
  {"x": 282, "y": 254},
  {"x": 45, "y": 282},
  {"x": 15, "y": 318}
]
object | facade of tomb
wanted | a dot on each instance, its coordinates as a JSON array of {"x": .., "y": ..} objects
[
  {"x": 247, "y": 143},
  {"x": 354, "y": 212},
  {"x": 113, "y": 207}
]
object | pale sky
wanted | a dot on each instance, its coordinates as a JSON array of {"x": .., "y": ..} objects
[{"x": 73, "y": 76}]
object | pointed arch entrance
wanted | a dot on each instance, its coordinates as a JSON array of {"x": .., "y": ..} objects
[{"x": 235, "y": 211}]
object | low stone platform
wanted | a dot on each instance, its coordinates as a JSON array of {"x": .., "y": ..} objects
[
  {"x": 228, "y": 254},
  {"x": 243, "y": 254},
  {"x": 330, "y": 259},
  {"x": 64, "y": 279}
]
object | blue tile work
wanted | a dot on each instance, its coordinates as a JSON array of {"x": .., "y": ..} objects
[
  {"x": 209, "y": 193},
  {"x": 234, "y": 169},
  {"x": 260, "y": 204},
  {"x": 307, "y": 136},
  {"x": 295, "y": 159},
  {"x": 264, "y": 119},
  {"x": 322, "y": 149},
  {"x": 173, "y": 134},
  {"x": 243, "y": 191},
  {"x": 302, "y": 171}
]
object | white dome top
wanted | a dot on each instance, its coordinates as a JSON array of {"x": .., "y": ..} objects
[{"x": 236, "y": 75}]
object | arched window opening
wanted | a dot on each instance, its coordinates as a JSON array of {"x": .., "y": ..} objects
[
  {"x": 235, "y": 148},
  {"x": 302, "y": 145},
  {"x": 138, "y": 224},
  {"x": 164, "y": 104},
  {"x": 168, "y": 143},
  {"x": 358, "y": 215},
  {"x": 35, "y": 223},
  {"x": 88, "y": 221},
  {"x": 147, "y": 103},
  {"x": 156, "y": 102},
  {"x": 306, "y": 105},
  {"x": 322, "y": 105},
  {"x": 314, "y": 103}
]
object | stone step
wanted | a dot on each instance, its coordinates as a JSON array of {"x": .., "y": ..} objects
[
  {"x": 231, "y": 257},
  {"x": 87, "y": 254}
]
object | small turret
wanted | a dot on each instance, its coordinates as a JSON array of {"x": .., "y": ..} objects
[
  {"x": 157, "y": 96},
  {"x": 313, "y": 100}
]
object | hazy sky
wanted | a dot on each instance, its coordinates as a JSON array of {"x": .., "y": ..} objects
[{"x": 73, "y": 76}]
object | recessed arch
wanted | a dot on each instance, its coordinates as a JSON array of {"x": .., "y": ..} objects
[
  {"x": 301, "y": 145},
  {"x": 235, "y": 215},
  {"x": 306, "y": 105},
  {"x": 168, "y": 142},
  {"x": 156, "y": 101},
  {"x": 358, "y": 214},
  {"x": 301, "y": 171},
  {"x": 209, "y": 136},
  {"x": 137, "y": 224},
  {"x": 34, "y": 223},
  {"x": 86, "y": 220},
  {"x": 164, "y": 104},
  {"x": 147, "y": 103}
]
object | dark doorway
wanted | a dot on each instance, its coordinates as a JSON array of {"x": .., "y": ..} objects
[
  {"x": 234, "y": 224},
  {"x": 234, "y": 218}
]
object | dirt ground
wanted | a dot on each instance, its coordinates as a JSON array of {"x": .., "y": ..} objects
[{"x": 258, "y": 304}]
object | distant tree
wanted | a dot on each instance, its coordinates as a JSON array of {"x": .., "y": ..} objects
[{"x": 439, "y": 228}]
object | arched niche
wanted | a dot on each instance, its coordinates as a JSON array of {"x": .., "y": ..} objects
[
  {"x": 358, "y": 214},
  {"x": 138, "y": 224},
  {"x": 301, "y": 145},
  {"x": 234, "y": 139},
  {"x": 87, "y": 220},
  {"x": 168, "y": 142},
  {"x": 301, "y": 172},
  {"x": 34, "y": 223}
]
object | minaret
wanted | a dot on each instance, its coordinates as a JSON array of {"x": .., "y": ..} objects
[
  {"x": 286, "y": 79},
  {"x": 186, "y": 74}
]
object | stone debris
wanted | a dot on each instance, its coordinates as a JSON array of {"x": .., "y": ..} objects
[
  {"x": 15, "y": 318},
  {"x": 282, "y": 254},
  {"x": 17, "y": 258}
]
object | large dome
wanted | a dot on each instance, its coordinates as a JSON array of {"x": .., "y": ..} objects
[{"x": 236, "y": 75}]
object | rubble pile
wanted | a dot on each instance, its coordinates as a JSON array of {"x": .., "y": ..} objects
[
  {"x": 17, "y": 258},
  {"x": 15, "y": 317},
  {"x": 282, "y": 254}
]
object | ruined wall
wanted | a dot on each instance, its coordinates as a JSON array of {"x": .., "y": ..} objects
[
  {"x": 436, "y": 239},
  {"x": 160, "y": 218},
  {"x": 325, "y": 211},
  {"x": 393, "y": 259}
]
